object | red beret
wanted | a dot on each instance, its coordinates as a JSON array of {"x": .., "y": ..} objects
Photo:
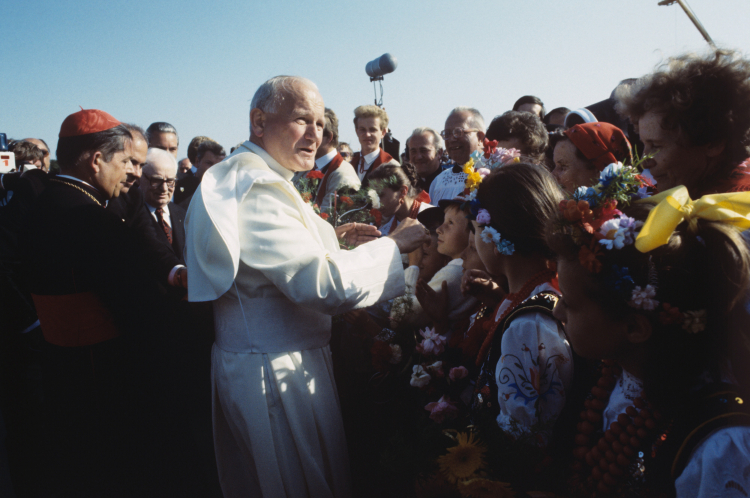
[
  {"x": 87, "y": 121},
  {"x": 602, "y": 143}
]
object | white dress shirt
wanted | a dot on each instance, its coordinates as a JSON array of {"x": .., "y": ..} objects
[{"x": 368, "y": 159}]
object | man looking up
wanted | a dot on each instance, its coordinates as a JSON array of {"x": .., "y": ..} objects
[
  {"x": 463, "y": 134},
  {"x": 371, "y": 125},
  {"x": 207, "y": 154},
  {"x": 163, "y": 136},
  {"x": 276, "y": 275},
  {"x": 158, "y": 186},
  {"x": 425, "y": 150},
  {"x": 339, "y": 174}
]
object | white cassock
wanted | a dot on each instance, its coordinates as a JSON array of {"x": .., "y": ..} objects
[{"x": 275, "y": 274}]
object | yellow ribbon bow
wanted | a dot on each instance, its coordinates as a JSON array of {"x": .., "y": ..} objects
[{"x": 675, "y": 206}]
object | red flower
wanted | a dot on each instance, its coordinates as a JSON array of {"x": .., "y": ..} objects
[
  {"x": 574, "y": 211},
  {"x": 670, "y": 315},
  {"x": 324, "y": 216},
  {"x": 347, "y": 200},
  {"x": 489, "y": 147},
  {"x": 377, "y": 215},
  {"x": 307, "y": 196},
  {"x": 588, "y": 257},
  {"x": 317, "y": 175}
]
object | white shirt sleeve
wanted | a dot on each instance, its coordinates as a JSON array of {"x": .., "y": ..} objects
[
  {"x": 275, "y": 241},
  {"x": 533, "y": 374},
  {"x": 719, "y": 466}
]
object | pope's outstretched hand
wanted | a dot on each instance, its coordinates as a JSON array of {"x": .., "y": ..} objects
[
  {"x": 409, "y": 235},
  {"x": 356, "y": 234}
]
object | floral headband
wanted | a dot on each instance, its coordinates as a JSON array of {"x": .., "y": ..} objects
[
  {"x": 489, "y": 234},
  {"x": 594, "y": 223}
]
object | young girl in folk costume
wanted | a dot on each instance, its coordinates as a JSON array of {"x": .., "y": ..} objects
[
  {"x": 526, "y": 360},
  {"x": 400, "y": 197},
  {"x": 648, "y": 290}
]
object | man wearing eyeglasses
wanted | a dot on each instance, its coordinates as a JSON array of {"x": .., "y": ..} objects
[
  {"x": 463, "y": 134},
  {"x": 157, "y": 185}
]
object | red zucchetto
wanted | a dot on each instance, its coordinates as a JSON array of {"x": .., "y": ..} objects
[{"x": 87, "y": 121}]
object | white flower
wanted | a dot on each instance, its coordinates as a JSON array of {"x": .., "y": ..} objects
[
  {"x": 419, "y": 378},
  {"x": 614, "y": 235},
  {"x": 695, "y": 321},
  {"x": 614, "y": 169},
  {"x": 374, "y": 198},
  {"x": 395, "y": 354},
  {"x": 433, "y": 343},
  {"x": 643, "y": 299}
]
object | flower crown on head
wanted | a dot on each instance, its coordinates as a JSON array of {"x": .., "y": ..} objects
[
  {"x": 593, "y": 222},
  {"x": 489, "y": 234}
]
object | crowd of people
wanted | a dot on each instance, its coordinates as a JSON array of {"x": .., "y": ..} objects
[{"x": 551, "y": 304}]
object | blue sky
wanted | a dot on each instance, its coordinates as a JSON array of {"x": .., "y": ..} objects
[{"x": 197, "y": 64}]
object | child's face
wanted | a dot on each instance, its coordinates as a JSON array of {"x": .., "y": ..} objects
[
  {"x": 592, "y": 333},
  {"x": 390, "y": 200},
  {"x": 471, "y": 258},
  {"x": 452, "y": 234},
  {"x": 431, "y": 261}
]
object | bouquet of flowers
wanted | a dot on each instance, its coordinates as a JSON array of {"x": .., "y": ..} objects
[{"x": 350, "y": 206}]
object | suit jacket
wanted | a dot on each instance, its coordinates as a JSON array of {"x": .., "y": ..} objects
[
  {"x": 177, "y": 217},
  {"x": 383, "y": 158},
  {"x": 131, "y": 209},
  {"x": 185, "y": 188}
]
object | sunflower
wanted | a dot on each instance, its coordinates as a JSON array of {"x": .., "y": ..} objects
[
  {"x": 484, "y": 488},
  {"x": 463, "y": 459}
]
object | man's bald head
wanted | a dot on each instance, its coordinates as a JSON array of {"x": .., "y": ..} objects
[
  {"x": 287, "y": 120},
  {"x": 159, "y": 172},
  {"x": 159, "y": 160}
]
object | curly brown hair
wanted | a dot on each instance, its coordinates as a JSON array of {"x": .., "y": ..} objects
[{"x": 707, "y": 99}]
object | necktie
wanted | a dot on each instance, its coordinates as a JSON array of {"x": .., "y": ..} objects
[{"x": 167, "y": 229}]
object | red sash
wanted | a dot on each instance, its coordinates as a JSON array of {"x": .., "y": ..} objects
[
  {"x": 382, "y": 158},
  {"x": 74, "y": 320},
  {"x": 332, "y": 166}
]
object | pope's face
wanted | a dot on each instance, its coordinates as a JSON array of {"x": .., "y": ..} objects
[{"x": 293, "y": 134}]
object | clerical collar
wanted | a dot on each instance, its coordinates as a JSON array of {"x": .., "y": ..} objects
[
  {"x": 270, "y": 161},
  {"x": 323, "y": 160}
]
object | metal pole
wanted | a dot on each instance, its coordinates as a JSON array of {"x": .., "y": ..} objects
[{"x": 693, "y": 18}]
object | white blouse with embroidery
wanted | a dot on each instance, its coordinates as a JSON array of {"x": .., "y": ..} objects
[{"x": 534, "y": 372}]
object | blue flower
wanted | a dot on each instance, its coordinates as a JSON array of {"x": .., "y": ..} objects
[
  {"x": 504, "y": 246},
  {"x": 620, "y": 280},
  {"x": 587, "y": 194},
  {"x": 610, "y": 174},
  {"x": 474, "y": 207}
]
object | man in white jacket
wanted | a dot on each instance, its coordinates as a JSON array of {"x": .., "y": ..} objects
[{"x": 275, "y": 274}]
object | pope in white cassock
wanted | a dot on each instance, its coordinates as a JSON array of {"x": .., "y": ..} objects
[{"x": 275, "y": 274}]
